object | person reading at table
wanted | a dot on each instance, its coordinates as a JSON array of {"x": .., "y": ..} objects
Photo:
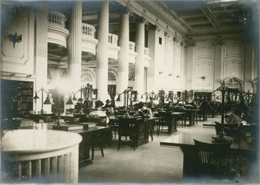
[
  {"x": 109, "y": 107},
  {"x": 151, "y": 103},
  {"x": 98, "y": 115},
  {"x": 144, "y": 111},
  {"x": 169, "y": 106}
]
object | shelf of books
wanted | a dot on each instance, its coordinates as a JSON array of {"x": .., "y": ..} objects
[{"x": 17, "y": 98}]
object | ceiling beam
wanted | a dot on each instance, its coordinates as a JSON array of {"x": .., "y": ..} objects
[
  {"x": 189, "y": 15},
  {"x": 195, "y": 22},
  {"x": 212, "y": 19}
]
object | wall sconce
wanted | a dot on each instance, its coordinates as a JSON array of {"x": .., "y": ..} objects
[
  {"x": 203, "y": 77},
  {"x": 15, "y": 38},
  {"x": 178, "y": 76},
  {"x": 160, "y": 72},
  {"x": 12, "y": 74}
]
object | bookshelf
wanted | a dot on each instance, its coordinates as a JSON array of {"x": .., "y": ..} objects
[{"x": 17, "y": 98}]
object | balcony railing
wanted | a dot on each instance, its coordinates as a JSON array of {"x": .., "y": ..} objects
[
  {"x": 112, "y": 39},
  {"x": 56, "y": 18},
  {"x": 146, "y": 51},
  {"x": 131, "y": 46},
  {"x": 88, "y": 30}
]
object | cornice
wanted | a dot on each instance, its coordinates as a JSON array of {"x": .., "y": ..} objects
[
  {"x": 170, "y": 20},
  {"x": 161, "y": 19}
]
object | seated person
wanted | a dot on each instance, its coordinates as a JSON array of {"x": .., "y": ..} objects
[
  {"x": 109, "y": 107},
  {"x": 88, "y": 104},
  {"x": 108, "y": 104},
  {"x": 79, "y": 106},
  {"x": 169, "y": 106},
  {"x": 151, "y": 103},
  {"x": 144, "y": 111},
  {"x": 98, "y": 115},
  {"x": 234, "y": 119}
]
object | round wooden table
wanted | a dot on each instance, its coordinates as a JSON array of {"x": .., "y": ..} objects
[{"x": 40, "y": 156}]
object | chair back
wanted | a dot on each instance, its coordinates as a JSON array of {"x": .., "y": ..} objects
[
  {"x": 212, "y": 154},
  {"x": 126, "y": 126},
  {"x": 164, "y": 118}
]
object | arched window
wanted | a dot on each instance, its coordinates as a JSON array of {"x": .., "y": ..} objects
[
  {"x": 131, "y": 76},
  {"x": 111, "y": 76},
  {"x": 87, "y": 77},
  {"x": 64, "y": 75}
]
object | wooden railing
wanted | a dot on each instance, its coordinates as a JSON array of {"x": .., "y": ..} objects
[
  {"x": 88, "y": 30},
  {"x": 56, "y": 18}
]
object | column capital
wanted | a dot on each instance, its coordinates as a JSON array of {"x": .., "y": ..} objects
[
  {"x": 166, "y": 34},
  {"x": 217, "y": 41}
]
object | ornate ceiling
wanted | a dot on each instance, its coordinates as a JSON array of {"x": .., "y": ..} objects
[{"x": 192, "y": 17}]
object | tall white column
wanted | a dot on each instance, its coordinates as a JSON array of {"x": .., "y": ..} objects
[
  {"x": 102, "y": 52},
  {"x": 139, "y": 64},
  {"x": 74, "y": 47},
  {"x": 123, "y": 65},
  {"x": 41, "y": 51},
  {"x": 152, "y": 45}
]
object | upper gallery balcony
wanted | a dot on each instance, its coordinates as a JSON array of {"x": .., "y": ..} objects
[
  {"x": 57, "y": 33},
  {"x": 146, "y": 57},
  {"x": 89, "y": 43},
  {"x": 113, "y": 48}
]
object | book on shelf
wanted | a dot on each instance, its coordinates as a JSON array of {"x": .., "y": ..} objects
[{"x": 71, "y": 127}]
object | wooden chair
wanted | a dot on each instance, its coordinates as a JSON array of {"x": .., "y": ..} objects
[
  {"x": 98, "y": 141},
  {"x": 163, "y": 120},
  {"x": 127, "y": 128},
  {"x": 212, "y": 159}
]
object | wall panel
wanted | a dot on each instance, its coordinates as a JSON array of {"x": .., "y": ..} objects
[{"x": 19, "y": 58}]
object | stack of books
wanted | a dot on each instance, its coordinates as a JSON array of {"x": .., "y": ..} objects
[{"x": 71, "y": 127}]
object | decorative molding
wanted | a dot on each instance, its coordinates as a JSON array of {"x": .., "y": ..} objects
[
  {"x": 204, "y": 52},
  {"x": 57, "y": 35},
  {"x": 41, "y": 52},
  {"x": 233, "y": 68},
  {"x": 203, "y": 74},
  {"x": 233, "y": 51}
]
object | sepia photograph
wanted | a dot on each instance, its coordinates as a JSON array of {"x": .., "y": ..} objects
[{"x": 129, "y": 91}]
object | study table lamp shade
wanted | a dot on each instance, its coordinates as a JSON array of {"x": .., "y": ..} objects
[
  {"x": 36, "y": 96},
  {"x": 74, "y": 97},
  {"x": 47, "y": 101},
  {"x": 69, "y": 102},
  {"x": 118, "y": 98}
]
